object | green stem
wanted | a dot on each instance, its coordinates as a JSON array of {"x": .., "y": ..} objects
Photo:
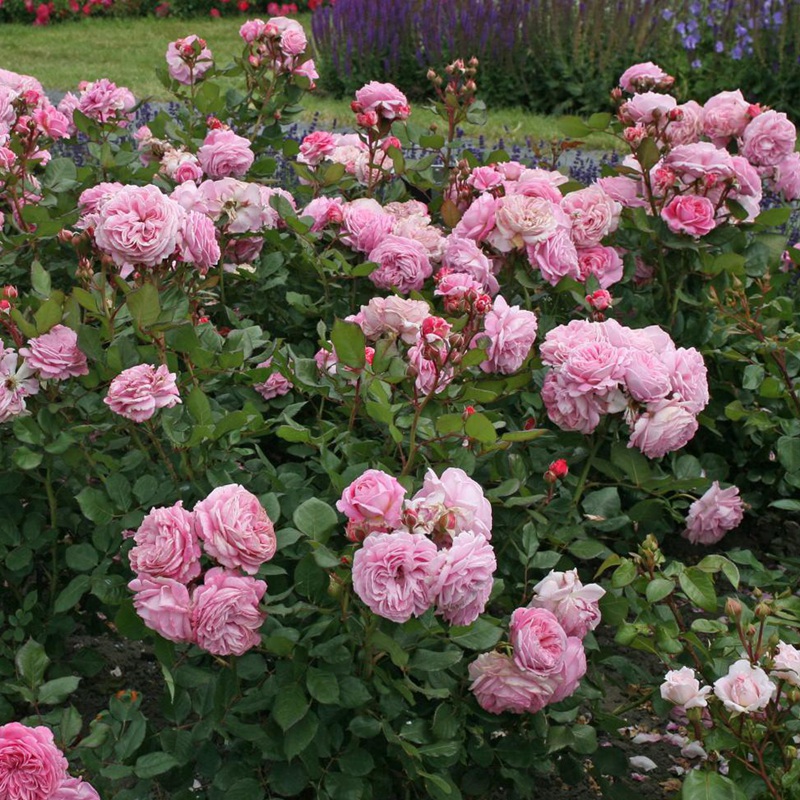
[{"x": 596, "y": 442}]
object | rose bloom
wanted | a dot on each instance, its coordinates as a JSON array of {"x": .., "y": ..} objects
[
  {"x": 167, "y": 545},
  {"x": 315, "y": 147},
  {"x": 690, "y": 214},
  {"x": 55, "y": 355},
  {"x": 522, "y": 220},
  {"x": 714, "y": 514},
  {"x": 538, "y": 639},
  {"x": 745, "y": 688},
  {"x": 688, "y": 376},
  {"x": 276, "y": 385},
  {"x": 573, "y": 668},
  {"x": 688, "y": 129},
  {"x": 602, "y": 262},
  {"x": 512, "y": 332},
  {"x": 429, "y": 375},
  {"x": 569, "y": 411},
  {"x": 373, "y": 496},
  {"x": 16, "y": 383},
  {"x": 394, "y": 315},
  {"x": 75, "y": 789},
  {"x": 786, "y": 664},
  {"x": 648, "y": 107},
  {"x": 556, "y": 257},
  {"x": 179, "y": 68},
  {"x": 787, "y": 177},
  {"x": 226, "y": 619},
  {"x": 768, "y": 139},
  {"x": 164, "y": 606},
  {"x": 197, "y": 243},
  {"x": 366, "y": 224},
  {"x": 138, "y": 392},
  {"x": 641, "y": 76},
  {"x": 224, "y": 154},
  {"x": 647, "y": 378},
  {"x": 235, "y": 528},
  {"x": 593, "y": 215},
  {"x": 404, "y": 264},
  {"x": 392, "y": 574},
  {"x": 31, "y": 766},
  {"x": 699, "y": 161},
  {"x": 682, "y": 688},
  {"x": 478, "y": 220},
  {"x": 463, "y": 255},
  {"x": 664, "y": 427},
  {"x": 725, "y": 116},
  {"x": 104, "y": 101},
  {"x": 463, "y": 578},
  {"x": 385, "y": 99},
  {"x": 324, "y": 211},
  {"x": 500, "y": 685},
  {"x": 574, "y": 604},
  {"x": 593, "y": 367}
]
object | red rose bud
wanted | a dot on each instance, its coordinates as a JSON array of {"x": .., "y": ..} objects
[
  {"x": 10, "y": 292},
  {"x": 356, "y": 107},
  {"x": 599, "y": 300},
  {"x": 468, "y": 411},
  {"x": 368, "y": 119},
  {"x": 202, "y": 320},
  {"x": 369, "y": 355},
  {"x": 483, "y": 305},
  {"x": 435, "y": 328},
  {"x": 214, "y": 124},
  {"x": 530, "y": 424},
  {"x": 560, "y": 468},
  {"x": 5, "y": 307},
  {"x": 390, "y": 141}
]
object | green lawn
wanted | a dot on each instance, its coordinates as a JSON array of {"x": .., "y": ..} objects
[{"x": 127, "y": 50}]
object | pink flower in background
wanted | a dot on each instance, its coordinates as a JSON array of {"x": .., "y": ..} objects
[
  {"x": 642, "y": 76},
  {"x": 226, "y": 619},
  {"x": 511, "y": 332},
  {"x": 664, "y": 427},
  {"x": 573, "y": 668},
  {"x": 164, "y": 606},
  {"x": 167, "y": 545},
  {"x": 500, "y": 685},
  {"x": 574, "y": 604},
  {"x": 16, "y": 383},
  {"x": 429, "y": 375},
  {"x": 324, "y": 211},
  {"x": 404, "y": 264},
  {"x": 745, "y": 688},
  {"x": 462, "y": 578},
  {"x": 197, "y": 242},
  {"x": 104, "y": 101},
  {"x": 225, "y": 154},
  {"x": 787, "y": 177},
  {"x": 55, "y": 355},
  {"x": 252, "y": 29},
  {"x": 293, "y": 40},
  {"x": 385, "y": 99},
  {"x": 183, "y": 64},
  {"x": 235, "y": 528},
  {"x": 682, "y": 688},
  {"x": 138, "y": 392},
  {"x": 786, "y": 664},
  {"x": 315, "y": 147},
  {"x": 139, "y": 225},
  {"x": 714, "y": 514},
  {"x": 276, "y": 385},
  {"x": 31, "y": 766},
  {"x": 366, "y": 224},
  {"x": 538, "y": 639},
  {"x": 392, "y": 574},
  {"x": 768, "y": 139},
  {"x": 375, "y": 496},
  {"x": 75, "y": 789},
  {"x": 690, "y": 214},
  {"x": 689, "y": 127},
  {"x": 725, "y": 116}
]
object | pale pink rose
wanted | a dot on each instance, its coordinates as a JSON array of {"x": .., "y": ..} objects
[
  {"x": 55, "y": 355},
  {"x": 139, "y": 225},
  {"x": 16, "y": 383},
  {"x": 641, "y": 77},
  {"x": 404, "y": 264},
  {"x": 197, "y": 243},
  {"x": 714, "y": 514},
  {"x": 51, "y": 122},
  {"x": 570, "y": 412},
  {"x": 392, "y": 574},
  {"x": 7, "y": 111},
  {"x": 602, "y": 262},
  {"x": 324, "y": 211},
  {"x": 241, "y": 204},
  {"x": 167, "y": 545},
  {"x": 593, "y": 367},
  {"x": 293, "y": 41},
  {"x": 315, "y": 147},
  {"x": 725, "y": 116},
  {"x": 768, "y": 139},
  {"x": 593, "y": 215},
  {"x": 478, "y": 220},
  {"x": 429, "y": 236},
  {"x": 786, "y": 664},
  {"x": 138, "y": 392},
  {"x": 369, "y": 170},
  {"x": 648, "y": 107},
  {"x": 457, "y": 287},
  {"x": 235, "y": 528},
  {"x": 252, "y": 29},
  {"x": 429, "y": 375},
  {"x": 562, "y": 340},
  {"x": 556, "y": 257},
  {"x": 745, "y": 688},
  {"x": 647, "y": 378},
  {"x": 689, "y": 377},
  {"x": 531, "y": 184},
  {"x": 689, "y": 214},
  {"x": 365, "y": 224},
  {"x": 394, "y": 315},
  {"x": 748, "y": 181},
  {"x": 164, "y": 606},
  {"x": 104, "y": 101},
  {"x": 276, "y": 385},
  {"x": 385, "y": 99},
  {"x": 75, "y": 789},
  {"x": 522, "y": 221},
  {"x": 625, "y": 190},
  {"x": 463, "y": 579},
  {"x": 699, "y": 161},
  {"x": 689, "y": 127},
  {"x": 177, "y": 65},
  {"x": 574, "y": 604},
  {"x": 500, "y": 685},
  {"x": 307, "y": 69},
  {"x": 787, "y": 177},
  {"x": 483, "y": 179},
  {"x": 181, "y": 166},
  {"x": 511, "y": 332},
  {"x": 31, "y": 766},
  {"x": 226, "y": 619},
  {"x": 682, "y": 688},
  {"x": 538, "y": 640},
  {"x": 463, "y": 255},
  {"x": 225, "y": 154},
  {"x": 664, "y": 427},
  {"x": 373, "y": 496},
  {"x": 573, "y": 668}
]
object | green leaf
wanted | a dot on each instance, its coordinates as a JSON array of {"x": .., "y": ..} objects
[
  {"x": 524, "y": 436},
  {"x": 789, "y": 453},
  {"x": 25, "y": 458},
  {"x": 144, "y": 305},
  {"x": 449, "y": 423},
  {"x": 573, "y": 127},
  {"x": 81, "y": 557},
  {"x": 245, "y": 789},
  {"x": 433, "y": 660},
  {"x": 40, "y": 279},
  {"x": 290, "y": 707},
  {"x": 648, "y": 154},
  {"x": 71, "y": 593},
  {"x": 702, "y": 785},
  {"x": 300, "y": 735},
  {"x": 481, "y": 635},
  {"x": 154, "y": 764},
  {"x": 658, "y": 589},
  {"x": 95, "y": 505},
  {"x": 349, "y": 342},
  {"x": 315, "y": 518},
  {"x": 322, "y": 686},
  {"x": 199, "y": 407},
  {"x": 624, "y": 574},
  {"x": 699, "y": 588},
  {"x": 479, "y": 427},
  {"x": 397, "y": 654},
  {"x": 58, "y": 690},
  {"x": 773, "y": 217},
  {"x": 31, "y": 662}
]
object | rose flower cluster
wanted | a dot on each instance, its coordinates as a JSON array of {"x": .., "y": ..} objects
[
  {"x": 603, "y": 368},
  {"x": 215, "y": 608},
  {"x": 430, "y": 551},
  {"x": 547, "y": 659}
]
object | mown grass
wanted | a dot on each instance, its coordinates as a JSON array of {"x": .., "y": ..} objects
[{"x": 127, "y": 51}]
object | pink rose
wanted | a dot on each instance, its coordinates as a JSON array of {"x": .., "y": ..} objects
[
  {"x": 385, "y": 99},
  {"x": 224, "y": 154},
  {"x": 688, "y": 376},
  {"x": 104, "y": 101},
  {"x": 647, "y": 378},
  {"x": 602, "y": 262},
  {"x": 252, "y": 29},
  {"x": 786, "y": 664},
  {"x": 31, "y": 766},
  {"x": 392, "y": 574},
  {"x": 164, "y": 606},
  {"x": 573, "y": 668},
  {"x": 593, "y": 215},
  {"x": 688, "y": 127},
  {"x": 184, "y": 64},
  {"x": 463, "y": 255},
  {"x": 429, "y": 375},
  {"x": 641, "y": 77},
  {"x": 394, "y": 315},
  {"x": 16, "y": 383},
  {"x": 521, "y": 221},
  {"x": 167, "y": 545},
  {"x": 574, "y": 604},
  {"x": 500, "y": 685},
  {"x": 324, "y": 211},
  {"x": 725, "y": 116},
  {"x": 373, "y": 496},
  {"x": 690, "y": 214},
  {"x": 225, "y": 612},
  {"x": 75, "y": 789},
  {"x": 419, "y": 229},
  {"x": 366, "y": 224},
  {"x": 682, "y": 688},
  {"x": 511, "y": 332},
  {"x": 92, "y": 199},
  {"x": 538, "y": 640},
  {"x": 139, "y": 225},
  {"x": 699, "y": 161},
  {"x": 570, "y": 411},
  {"x": 198, "y": 243},
  {"x": 235, "y": 528},
  {"x": 627, "y": 191},
  {"x": 787, "y": 177},
  {"x": 714, "y": 514},
  {"x": 315, "y": 147},
  {"x": 276, "y": 385},
  {"x": 478, "y": 220},
  {"x": 138, "y": 392},
  {"x": 556, "y": 257},
  {"x": 768, "y": 139},
  {"x": 664, "y": 427},
  {"x": 463, "y": 578},
  {"x": 648, "y": 107},
  {"x": 293, "y": 41},
  {"x": 404, "y": 264},
  {"x": 745, "y": 688},
  {"x": 483, "y": 179},
  {"x": 593, "y": 367},
  {"x": 55, "y": 355}
]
